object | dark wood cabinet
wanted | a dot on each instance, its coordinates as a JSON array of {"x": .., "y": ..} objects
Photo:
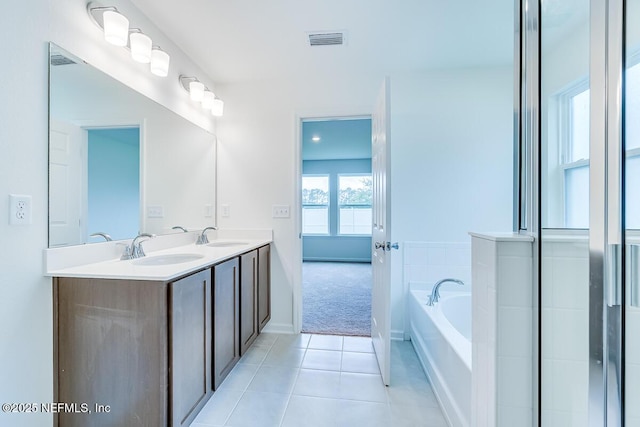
[
  {"x": 248, "y": 300},
  {"x": 264, "y": 286},
  {"x": 111, "y": 348},
  {"x": 154, "y": 351},
  {"x": 190, "y": 346},
  {"x": 141, "y": 347},
  {"x": 226, "y": 319}
]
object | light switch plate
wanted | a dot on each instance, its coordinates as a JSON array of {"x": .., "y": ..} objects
[
  {"x": 155, "y": 212},
  {"x": 208, "y": 211},
  {"x": 225, "y": 211},
  {"x": 281, "y": 211}
]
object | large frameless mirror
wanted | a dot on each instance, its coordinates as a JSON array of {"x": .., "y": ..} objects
[{"x": 119, "y": 163}]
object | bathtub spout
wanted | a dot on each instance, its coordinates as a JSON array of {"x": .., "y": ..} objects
[{"x": 435, "y": 292}]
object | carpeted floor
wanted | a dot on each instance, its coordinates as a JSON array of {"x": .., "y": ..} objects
[{"x": 336, "y": 298}]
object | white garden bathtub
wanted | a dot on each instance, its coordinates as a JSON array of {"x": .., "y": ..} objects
[{"x": 441, "y": 336}]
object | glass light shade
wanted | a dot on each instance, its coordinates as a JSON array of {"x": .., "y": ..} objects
[
  {"x": 140, "y": 47},
  {"x": 116, "y": 28},
  {"x": 217, "y": 108},
  {"x": 196, "y": 91},
  {"x": 207, "y": 100},
  {"x": 159, "y": 62}
]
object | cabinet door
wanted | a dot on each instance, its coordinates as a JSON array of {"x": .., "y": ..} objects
[
  {"x": 264, "y": 286},
  {"x": 248, "y": 300},
  {"x": 226, "y": 334},
  {"x": 190, "y": 302},
  {"x": 110, "y": 348}
]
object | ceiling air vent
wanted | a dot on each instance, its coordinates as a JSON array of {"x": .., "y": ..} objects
[
  {"x": 326, "y": 39},
  {"x": 58, "y": 59}
]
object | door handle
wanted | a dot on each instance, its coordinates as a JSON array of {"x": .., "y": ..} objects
[
  {"x": 390, "y": 246},
  {"x": 380, "y": 245}
]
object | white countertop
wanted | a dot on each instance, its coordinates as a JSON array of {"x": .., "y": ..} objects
[{"x": 114, "y": 268}]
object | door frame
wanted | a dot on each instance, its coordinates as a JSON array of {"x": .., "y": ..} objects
[{"x": 299, "y": 118}]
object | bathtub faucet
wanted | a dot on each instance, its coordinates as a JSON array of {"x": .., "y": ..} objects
[{"x": 435, "y": 292}]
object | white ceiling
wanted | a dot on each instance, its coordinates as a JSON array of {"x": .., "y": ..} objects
[{"x": 237, "y": 40}]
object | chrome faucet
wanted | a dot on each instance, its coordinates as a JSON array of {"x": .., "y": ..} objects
[
  {"x": 105, "y": 236},
  {"x": 178, "y": 227},
  {"x": 435, "y": 292},
  {"x": 202, "y": 238},
  {"x": 135, "y": 250}
]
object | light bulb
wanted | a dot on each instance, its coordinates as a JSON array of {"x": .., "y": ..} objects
[
  {"x": 159, "y": 62},
  {"x": 116, "y": 28},
  {"x": 196, "y": 90},
  {"x": 207, "y": 100},
  {"x": 217, "y": 108},
  {"x": 140, "y": 47}
]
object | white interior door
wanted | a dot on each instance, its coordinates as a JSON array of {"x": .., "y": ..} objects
[
  {"x": 381, "y": 234},
  {"x": 65, "y": 184}
]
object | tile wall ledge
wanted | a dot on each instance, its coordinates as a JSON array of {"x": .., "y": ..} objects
[{"x": 502, "y": 236}]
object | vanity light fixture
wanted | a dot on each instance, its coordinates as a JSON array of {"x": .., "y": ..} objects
[
  {"x": 116, "y": 31},
  {"x": 200, "y": 93},
  {"x": 140, "y": 46},
  {"x": 159, "y": 62}
]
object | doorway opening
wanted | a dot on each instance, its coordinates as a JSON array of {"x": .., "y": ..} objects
[{"x": 336, "y": 226}]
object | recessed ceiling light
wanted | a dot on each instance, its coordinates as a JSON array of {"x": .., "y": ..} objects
[{"x": 315, "y": 138}]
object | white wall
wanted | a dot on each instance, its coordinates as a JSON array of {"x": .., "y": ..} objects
[
  {"x": 26, "y": 346},
  {"x": 452, "y": 172},
  {"x": 451, "y": 157}
]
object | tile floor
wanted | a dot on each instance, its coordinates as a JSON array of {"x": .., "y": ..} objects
[{"x": 322, "y": 380}]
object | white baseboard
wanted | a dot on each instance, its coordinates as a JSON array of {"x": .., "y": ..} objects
[
  {"x": 397, "y": 335},
  {"x": 278, "y": 328}
]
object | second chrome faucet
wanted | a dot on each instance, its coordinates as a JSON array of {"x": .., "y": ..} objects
[{"x": 202, "y": 238}]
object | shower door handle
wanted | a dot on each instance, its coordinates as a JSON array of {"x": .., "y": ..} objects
[
  {"x": 390, "y": 246},
  {"x": 380, "y": 245}
]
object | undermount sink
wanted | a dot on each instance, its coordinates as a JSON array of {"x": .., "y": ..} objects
[
  {"x": 167, "y": 259},
  {"x": 226, "y": 244}
]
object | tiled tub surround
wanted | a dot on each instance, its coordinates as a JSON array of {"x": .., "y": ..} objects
[
  {"x": 502, "y": 332},
  {"x": 427, "y": 262},
  {"x": 444, "y": 349}
]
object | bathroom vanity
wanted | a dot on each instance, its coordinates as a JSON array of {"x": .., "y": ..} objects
[{"x": 143, "y": 345}]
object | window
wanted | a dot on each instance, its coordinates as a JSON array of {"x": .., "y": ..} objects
[
  {"x": 575, "y": 122},
  {"x": 315, "y": 204},
  {"x": 354, "y": 204},
  {"x": 574, "y": 134}
]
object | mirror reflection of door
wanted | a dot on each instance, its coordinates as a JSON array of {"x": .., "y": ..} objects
[
  {"x": 113, "y": 182},
  {"x": 65, "y": 184}
]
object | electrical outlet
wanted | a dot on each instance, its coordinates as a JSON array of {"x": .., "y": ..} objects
[
  {"x": 155, "y": 212},
  {"x": 19, "y": 209},
  {"x": 208, "y": 211},
  {"x": 225, "y": 211},
  {"x": 280, "y": 211}
]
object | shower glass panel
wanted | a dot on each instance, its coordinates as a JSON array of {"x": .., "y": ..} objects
[
  {"x": 632, "y": 215},
  {"x": 564, "y": 243}
]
